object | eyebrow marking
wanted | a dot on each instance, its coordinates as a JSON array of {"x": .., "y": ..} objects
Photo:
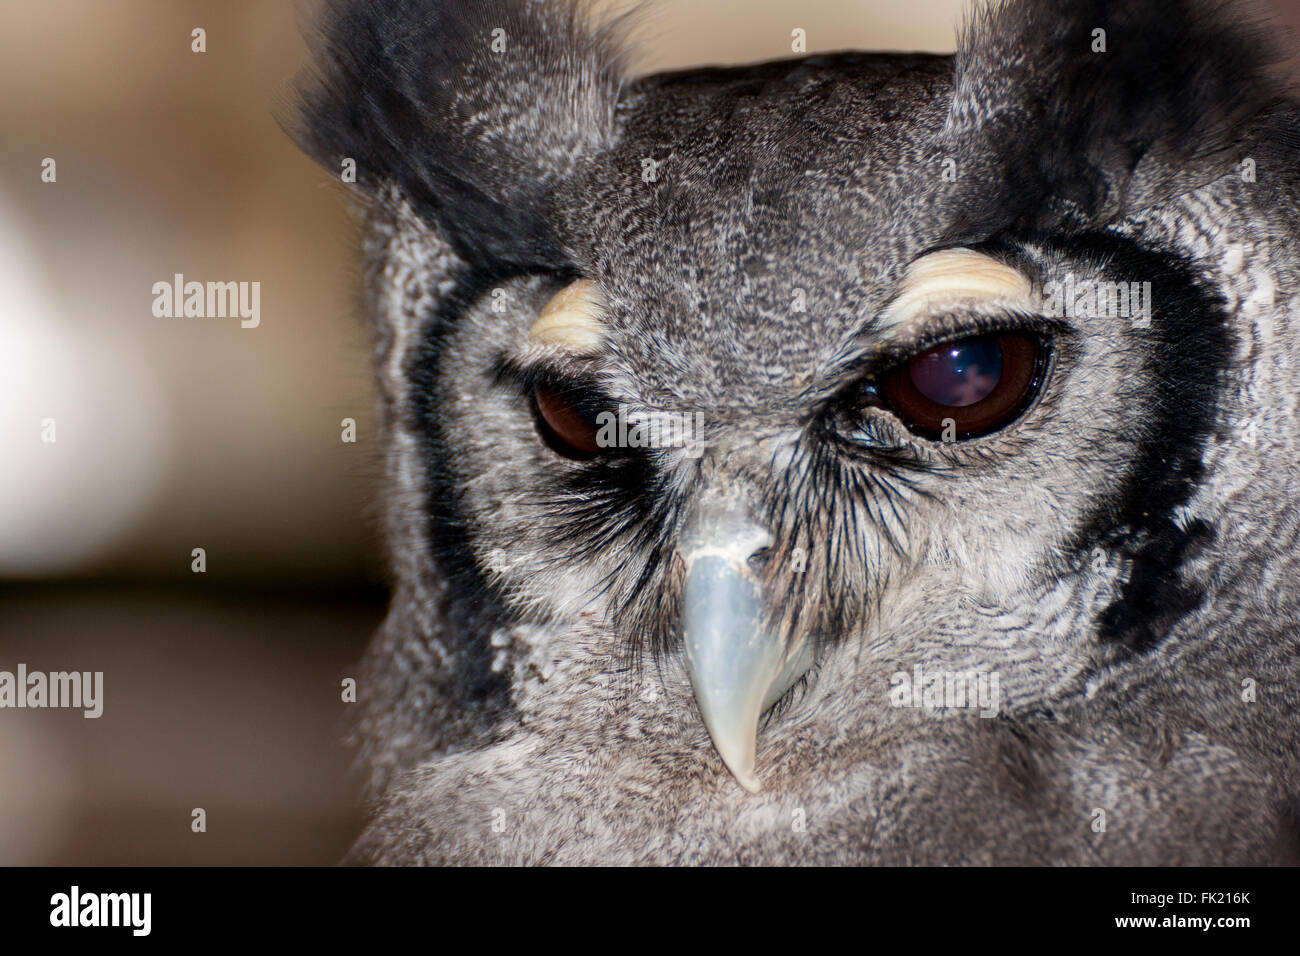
[
  {"x": 572, "y": 320},
  {"x": 954, "y": 278}
]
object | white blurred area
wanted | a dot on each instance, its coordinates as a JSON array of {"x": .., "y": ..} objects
[
  {"x": 85, "y": 429},
  {"x": 180, "y": 433}
]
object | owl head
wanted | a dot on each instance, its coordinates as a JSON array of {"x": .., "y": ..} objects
[{"x": 721, "y": 404}]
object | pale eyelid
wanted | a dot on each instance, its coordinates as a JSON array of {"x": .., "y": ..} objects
[
  {"x": 953, "y": 281},
  {"x": 573, "y": 321}
]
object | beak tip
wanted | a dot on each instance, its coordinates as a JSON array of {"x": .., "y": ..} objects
[{"x": 740, "y": 765}]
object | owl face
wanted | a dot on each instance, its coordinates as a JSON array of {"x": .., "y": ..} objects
[
  {"x": 744, "y": 391},
  {"x": 746, "y": 452}
]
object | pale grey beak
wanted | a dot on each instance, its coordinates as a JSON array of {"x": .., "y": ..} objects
[{"x": 738, "y": 668}]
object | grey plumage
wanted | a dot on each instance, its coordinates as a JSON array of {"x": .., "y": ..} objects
[{"x": 1122, "y": 553}]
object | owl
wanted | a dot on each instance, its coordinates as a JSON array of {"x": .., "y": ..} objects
[{"x": 856, "y": 458}]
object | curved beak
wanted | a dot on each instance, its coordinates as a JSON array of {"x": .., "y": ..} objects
[{"x": 737, "y": 667}]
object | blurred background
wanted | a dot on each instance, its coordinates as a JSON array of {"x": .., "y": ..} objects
[{"x": 221, "y": 688}]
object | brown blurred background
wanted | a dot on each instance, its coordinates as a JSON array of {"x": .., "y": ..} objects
[{"x": 222, "y": 689}]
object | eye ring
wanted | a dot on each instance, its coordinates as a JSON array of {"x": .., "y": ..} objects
[
  {"x": 566, "y": 424},
  {"x": 967, "y": 387}
]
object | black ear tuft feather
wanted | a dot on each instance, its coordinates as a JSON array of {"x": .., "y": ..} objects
[
  {"x": 1081, "y": 136},
  {"x": 476, "y": 109}
]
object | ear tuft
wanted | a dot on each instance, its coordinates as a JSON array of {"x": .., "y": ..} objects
[
  {"x": 475, "y": 109},
  {"x": 1092, "y": 109}
]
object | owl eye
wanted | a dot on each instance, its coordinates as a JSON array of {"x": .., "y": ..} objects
[
  {"x": 567, "y": 424},
  {"x": 966, "y": 387}
]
